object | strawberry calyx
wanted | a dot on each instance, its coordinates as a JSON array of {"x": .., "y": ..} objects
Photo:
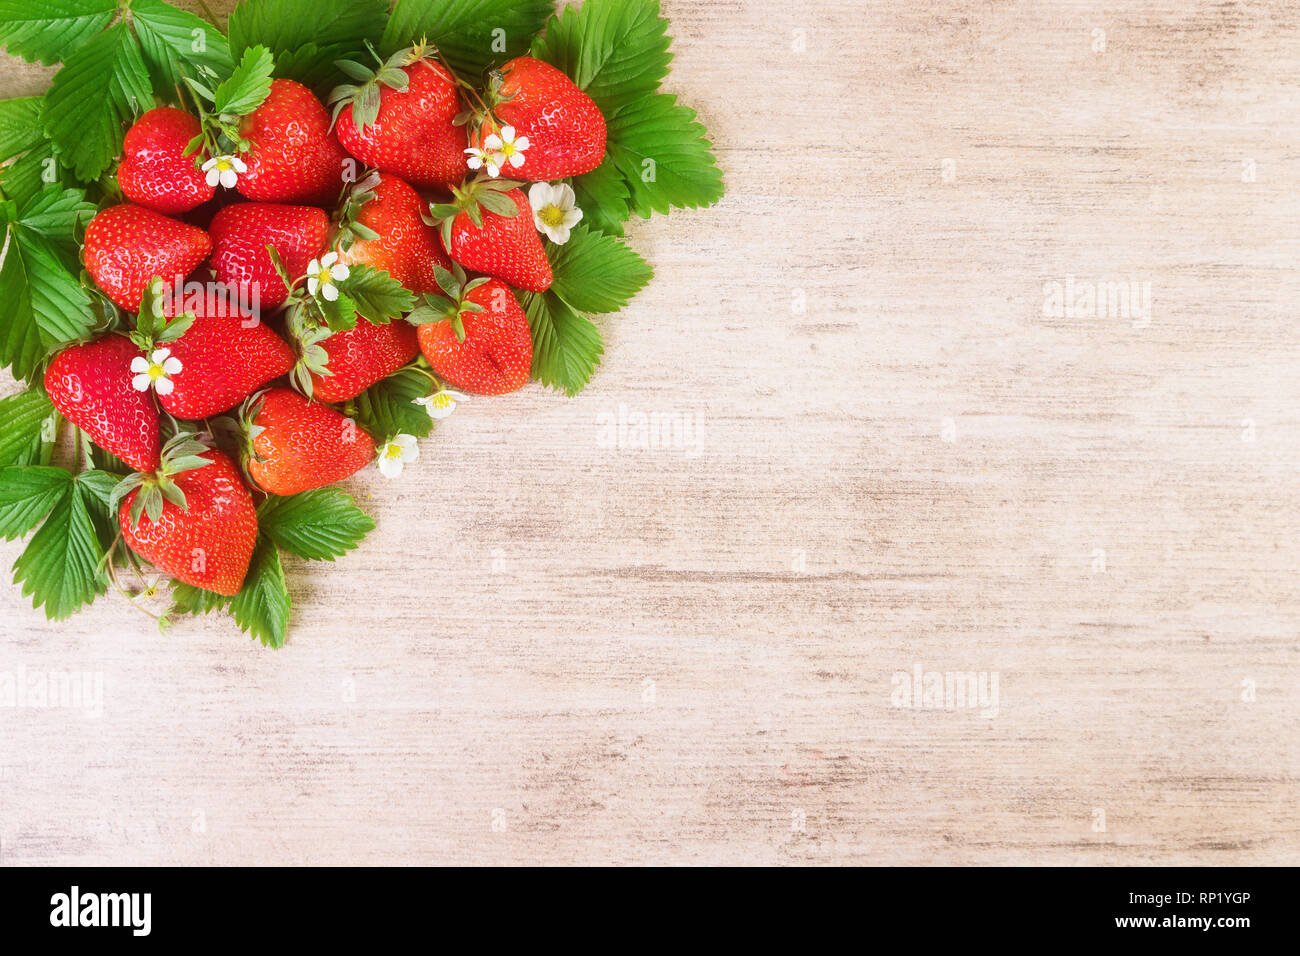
[
  {"x": 240, "y": 429},
  {"x": 472, "y": 197},
  {"x": 437, "y": 308},
  {"x": 152, "y": 327},
  {"x": 363, "y": 93},
  {"x": 306, "y": 336},
  {"x": 347, "y": 230},
  {"x": 182, "y": 453}
]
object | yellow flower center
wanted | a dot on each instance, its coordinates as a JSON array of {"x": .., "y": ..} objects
[
  {"x": 156, "y": 372},
  {"x": 441, "y": 401},
  {"x": 224, "y": 164},
  {"x": 393, "y": 451},
  {"x": 551, "y": 215},
  {"x": 508, "y": 149},
  {"x": 324, "y": 277}
]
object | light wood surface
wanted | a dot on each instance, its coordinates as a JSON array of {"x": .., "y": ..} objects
[{"x": 556, "y": 651}]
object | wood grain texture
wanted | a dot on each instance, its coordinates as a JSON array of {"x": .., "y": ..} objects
[{"x": 684, "y": 653}]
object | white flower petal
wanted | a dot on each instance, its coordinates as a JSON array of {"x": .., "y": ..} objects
[
  {"x": 211, "y": 163},
  {"x": 410, "y": 447},
  {"x": 159, "y": 356},
  {"x": 521, "y": 143},
  {"x": 507, "y": 134},
  {"x": 566, "y": 198},
  {"x": 571, "y": 218},
  {"x": 539, "y": 195},
  {"x": 338, "y": 273},
  {"x": 139, "y": 364},
  {"x": 213, "y": 177},
  {"x": 559, "y": 235},
  {"x": 312, "y": 285},
  {"x": 240, "y": 166},
  {"x": 172, "y": 366},
  {"x": 164, "y": 386},
  {"x": 389, "y": 467},
  {"x": 228, "y": 178},
  {"x": 516, "y": 159},
  {"x": 141, "y": 383},
  {"x": 474, "y": 162},
  {"x": 329, "y": 259},
  {"x": 492, "y": 143},
  {"x": 313, "y": 267},
  {"x": 493, "y": 170},
  {"x": 331, "y": 293}
]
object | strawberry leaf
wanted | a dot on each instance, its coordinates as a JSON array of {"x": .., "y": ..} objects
[
  {"x": 596, "y": 273},
  {"x": 305, "y": 43},
  {"x": 101, "y": 87},
  {"x": 48, "y": 31},
  {"x": 45, "y": 305},
  {"x": 26, "y": 428},
  {"x": 319, "y": 525},
  {"x": 60, "y": 567},
  {"x": 661, "y": 151},
  {"x": 188, "y": 599},
  {"x": 173, "y": 40},
  {"x": 261, "y": 607},
  {"x": 603, "y": 197},
  {"x": 377, "y": 295},
  {"x": 566, "y": 345},
  {"x": 388, "y": 408},
  {"x": 248, "y": 86},
  {"x": 58, "y": 214},
  {"x": 614, "y": 50},
  {"x": 26, "y": 496},
  {"x": 471, "y": 34}
]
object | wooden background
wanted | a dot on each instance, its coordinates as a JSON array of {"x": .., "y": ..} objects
[{"x": 558, "y": 647}]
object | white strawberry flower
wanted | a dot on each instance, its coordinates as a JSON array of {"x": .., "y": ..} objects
[
  {"x": 554, "y": 210},
  {"x": 155, "y": 371},
  {"x": 322, "y": 275},
  {"x": 396, "y": 453},
  {"x": 482, "y": 159},
  {"x": 225, "y": 170},
  {"x": 441, "y": 403}
]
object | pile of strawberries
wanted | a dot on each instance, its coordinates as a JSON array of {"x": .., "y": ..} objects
[{"x": 212, "y": 399}]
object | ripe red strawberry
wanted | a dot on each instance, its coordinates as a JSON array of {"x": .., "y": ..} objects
[
  {"x": 91, "y": 387},
  {"x": 240, "y": 235},
  {"x": 298, "y": 444},
  {"x": 398, "y": 118},
  {"x": 295, "y": 156},
  {"x": 358, "y": 358},
  {"x": 382, "y": 227},
  {"x": 225, "y": 356},
  {"x": 127, "y": 246},
  {"x": 564, "y": 127},
  {"x": 208, "y": 540},
  {"x": 477, "y": 337},
  {"x": 155, "y": 172},
  {"x": 488, "y": 227}
]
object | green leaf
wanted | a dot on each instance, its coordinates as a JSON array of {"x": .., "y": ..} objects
[
  {"x": 566, "y": 345},
  {"x": 26, "y": 496},
  {"x": 101, "y": 87},
  {"x": 20, "y": 126},
  {"x": 26, "y": 424},
  {"x": 595, "y": 272},
  {"x": 471, "y": 34},
  {"x": 614, "y": 50},
  {"x": 26, "y": 151},
  {"x": 661, "y": 151},
  {"x": 188, "y": 599},
  {"x": 377, "y": 295},
  {"x": 261, "y": 607},
  {"x": 48, "y": 30},
  {"x": 388, "y": 407},
  {"x": 57, "y": 214},
  {"x": 173, "y": 40},
  {"x": 307, "y": 39},
  {"x": 603, "y": 197},
  {"x": 248, "y": 86},
  {"x": 60, "y": 567},
  {"x": 319, "y": 525},
  {"x": 44, "y": 305}
]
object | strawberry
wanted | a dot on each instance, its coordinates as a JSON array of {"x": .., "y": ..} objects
[
  {"x": 155, "y": 172},
  {"x": 193, "y": 518},
  {"x": 399, "y": 118},
  {"x": 564, "y": 128},
  {"x": 127, "y": 246},
  {"x": 488, "y": 227},
  {"x": 91, "y": 387},
  {"x": 295, "y": 444},
  {"x": 337, "y": 366},
  {"x": 381, "y": 226},
  {"x": 294, "y": 155},
  {"x": 477, "y": 336},
  {"x": 225, "y": 356},
  {"x": 240, "y": 235}
]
